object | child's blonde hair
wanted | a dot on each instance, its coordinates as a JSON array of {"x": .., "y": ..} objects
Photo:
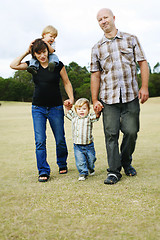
[
  {"x": 50, "y": 29},
  {"x": 80, "y": 102}
]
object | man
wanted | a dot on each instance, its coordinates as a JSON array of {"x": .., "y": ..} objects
[{"x": 113, "y": 78}]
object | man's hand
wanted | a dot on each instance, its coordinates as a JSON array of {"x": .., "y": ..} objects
[{"x": 143, "y": 94}]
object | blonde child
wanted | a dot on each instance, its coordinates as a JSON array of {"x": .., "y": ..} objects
[
  {"x": 82, "y": 121},
  {"x": 49, "y": 34}
]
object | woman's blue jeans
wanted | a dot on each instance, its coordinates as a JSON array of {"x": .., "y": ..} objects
[
  {"x": 55, "y": 116},
  {"x": 122, "y": 117}
]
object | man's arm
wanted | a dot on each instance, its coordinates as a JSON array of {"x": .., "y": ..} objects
[
  {"x": 143, "y": 92},
  {"x": 95, "y": 85}
]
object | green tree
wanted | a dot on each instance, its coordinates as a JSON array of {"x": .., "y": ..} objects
[
  {"x": 156, "y": 68},
  {"x": 24, "y": 84},
  {"x": 154, "y": 85},
  {"x": 20, "y": 87},
  {"x": 23, "y": 76},
  {"x": 80, "y": 79}
]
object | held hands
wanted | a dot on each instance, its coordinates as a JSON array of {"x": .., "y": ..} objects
[
  {"x": 68, "y": 104},
  {"x": 97, "y": 106},
  {"x": 44, "y": 40}
]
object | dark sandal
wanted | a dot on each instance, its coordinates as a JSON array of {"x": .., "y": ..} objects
[
  {"x": 63, "y": 170},
  {"x": 111, "y": 179},
  {"x": 43, "y": 178},
  {"x": 130, "y": 171}
]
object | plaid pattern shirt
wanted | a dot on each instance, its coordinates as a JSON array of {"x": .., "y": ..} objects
[
  {"x": 82, "y": 127},
  {"x": 116, "y": 59}
]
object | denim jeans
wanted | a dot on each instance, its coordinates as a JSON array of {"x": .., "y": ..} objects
[
  {"x": 85, "y": 157},
  {"x": 52, "y": 58},
  {"x": 55, "y": 116},
  {"x": 122, "y": 117}
]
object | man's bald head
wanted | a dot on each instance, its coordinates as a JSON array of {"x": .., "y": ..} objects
[{"x": 103, "y": 11}]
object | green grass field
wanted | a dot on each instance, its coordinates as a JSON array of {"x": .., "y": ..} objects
[{"x": 65, "y": 209}]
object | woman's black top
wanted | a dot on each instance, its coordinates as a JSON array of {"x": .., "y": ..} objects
[{"x": 47, "y": 90}]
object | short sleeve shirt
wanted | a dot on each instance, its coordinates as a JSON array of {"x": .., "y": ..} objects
[
  {"x": 116, "y": 59},
  {"x": 47, "y": 89}
]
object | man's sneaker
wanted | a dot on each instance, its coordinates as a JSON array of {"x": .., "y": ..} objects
[
  {"x": 82, "y": 178},
  {"x": 51, "y": 66},
  {"x": 92, "y": 172},
  {"x": 32, "y": 70}
]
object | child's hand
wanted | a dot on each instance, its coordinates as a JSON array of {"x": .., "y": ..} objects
[
  {"x": 67, "y": 108},
  {"x": 50, "y": 48},
  {"x": 98, "y": 114},
  {"x": 45, "y": 41}
]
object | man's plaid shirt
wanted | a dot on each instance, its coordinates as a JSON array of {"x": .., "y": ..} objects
[{"x": 116, "y": 59}]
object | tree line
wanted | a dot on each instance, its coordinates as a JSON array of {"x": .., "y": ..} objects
[{"x": 20, "y": 87}]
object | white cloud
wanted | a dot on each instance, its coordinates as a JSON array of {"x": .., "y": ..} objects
[
  {"x": 6, "y": 71},
  {"x": 23, "y": 21}
]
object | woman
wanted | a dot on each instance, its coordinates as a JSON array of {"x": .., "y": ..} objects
[{"x": 47, "y": 104}]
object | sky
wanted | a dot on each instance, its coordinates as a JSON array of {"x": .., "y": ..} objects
[{"x": 22, "y": 21}]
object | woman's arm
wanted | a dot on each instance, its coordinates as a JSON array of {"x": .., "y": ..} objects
[
  {"x": 67, "y": 85},
  {"x": 17, "y": 63}
]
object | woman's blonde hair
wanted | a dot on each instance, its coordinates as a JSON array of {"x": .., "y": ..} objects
[
  {"x": 80, "y": 102},
  {"x": 50, "y": 29}
]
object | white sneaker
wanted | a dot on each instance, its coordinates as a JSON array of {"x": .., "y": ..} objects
[{"x": 82, "y": 178}]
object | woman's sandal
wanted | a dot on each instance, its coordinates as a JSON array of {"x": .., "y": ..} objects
[
  {"x": 63, "y": 170},
  {"x": 43, "y": 178}
]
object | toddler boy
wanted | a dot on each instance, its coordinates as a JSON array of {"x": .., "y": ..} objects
[
  {"x": 82, "y": 122},
  {"x": 49, "y": 34}
]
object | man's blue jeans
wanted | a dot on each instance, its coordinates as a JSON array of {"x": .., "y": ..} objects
[
  {"x": 85, "y": 157},
  {"x": 122, "y": 117},
  {"x": 55, "y": 116}
]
